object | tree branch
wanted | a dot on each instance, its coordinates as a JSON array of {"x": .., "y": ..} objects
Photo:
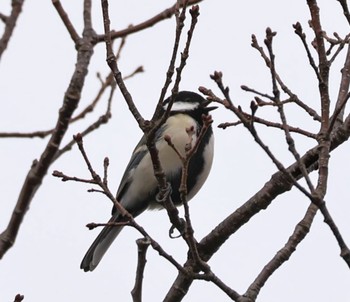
[
  {"x": 10, "y": 24},
  {"x": 142, "y": 246},
  {"x": 66, "y": 21},
  {"x": 166, "y": 14},
  {"x": 40, "y": 167}
]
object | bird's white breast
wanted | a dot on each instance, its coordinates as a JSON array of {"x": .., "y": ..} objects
[{"x": 182, "y": 131}]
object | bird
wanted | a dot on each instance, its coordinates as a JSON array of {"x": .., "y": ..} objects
[{"x": 138, "y": 188}]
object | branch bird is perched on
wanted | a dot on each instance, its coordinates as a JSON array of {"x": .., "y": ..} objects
[{"x": 139, "y": 188}]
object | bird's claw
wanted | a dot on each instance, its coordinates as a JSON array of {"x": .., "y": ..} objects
[
  {"x": 164, "y": 194},
  {"x": 173, "y": 228}
]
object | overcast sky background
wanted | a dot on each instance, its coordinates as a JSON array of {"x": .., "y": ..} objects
[{"x": 35, "y": 70}]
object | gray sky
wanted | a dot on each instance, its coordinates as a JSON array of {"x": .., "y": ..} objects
[{"x": 34, "y": 73}]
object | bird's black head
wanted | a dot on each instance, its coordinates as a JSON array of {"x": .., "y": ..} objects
[{"x": 188, "y": 102}]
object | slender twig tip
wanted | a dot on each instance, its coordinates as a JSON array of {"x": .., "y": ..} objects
[
  {"x": 57, "y": 173},
  {"x": 91, "y": 226},
  {"x": 253, "y": 107},
  {"x": 19, "y": 298},
  {"x": 194, "y": 11},
  {"x": 78, "y": 137},
  {"x": 216, "y": 76}
]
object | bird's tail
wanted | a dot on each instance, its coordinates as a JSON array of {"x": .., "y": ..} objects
[{"x": 101, "y": 244}]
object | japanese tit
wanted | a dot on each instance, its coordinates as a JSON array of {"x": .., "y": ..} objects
[{"x": 138, "y": 188}]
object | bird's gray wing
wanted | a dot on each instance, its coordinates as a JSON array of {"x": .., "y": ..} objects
[
  {"x": 104, "y": 240},
  {"x": 137, "y": 155}
]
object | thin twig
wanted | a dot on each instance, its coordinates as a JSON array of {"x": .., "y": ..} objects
[
  {"x": 10, "y": 24},
  {"x": 285, "y": 89},
  {"x": 64, "y": 177},
  {"x": 108, "y": 82},
  {"x": 248, "y": 89},
  {"x": 40, "y": 167},
  {"x": 270, "y": 124},
  {"x": 171, "y": 68},
  {"x": 142, "y": 246},
  {"x": 166, "y": 14},
  {"x": 66, "y": 21},
  {"x": 103, "y": 119},
  {"x": 105, "y": 171},
  {"x": 194, "y": 11},
  {"x": 337, "y": 112},
  {"x": 38, "y": 134},
  {"x": 343, "y": 93},
  {"x": 112, "y": 63},
  {"x": 340, "y": 42},
  {"x": 299, "y": 31},
  {"x": 290, "y": 141},
  {"x": 315, "y": 195},
  {"x": 210, "y": 276},
  {"x": 300, "y": 232},
  {"x": 344, "y": 5}
]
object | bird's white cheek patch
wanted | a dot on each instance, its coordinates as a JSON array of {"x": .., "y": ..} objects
[{"x": 183, "y": 106}]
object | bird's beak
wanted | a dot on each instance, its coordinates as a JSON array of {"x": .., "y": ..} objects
[
  {"x": 211, "y": 108},
  {"x": 205, "y": 105}
]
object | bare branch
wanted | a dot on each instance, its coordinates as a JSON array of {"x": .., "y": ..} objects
[
  {"x": 290, "y": 141},
  {"x": 340, "y": 42},
  {"x": 40, "y": 134},
  {"x": 40, "y": 167},
  {"x": 218, "y": 282},
  {"x": 103, "y": 119},
  {"x": 344, "y": 5},
  {"x": 271, "y": 124},
  {"x": 277, "y": 185},
  {"x": 112, "y": 63},
  {"x": 66, "y": 21},
  {"x": 171, "y": 68},
  {"x": 299, "y": 31},
  {"x": 323, "y": 65},
  {"x": 166, "y": 14},
  {"x": 300, "y": 231},
  {"x": 87, "y": 18},
  {"x": 343, "y": 94},
  {"x": 316, "y": 196},
  {"x": 194, "y": 11},
  {"x": 264, "y": 95},
  {"x": 285, "y": 89},
  {"x": 10, "y": 24},
  {"x": 142, "y": 246}
]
